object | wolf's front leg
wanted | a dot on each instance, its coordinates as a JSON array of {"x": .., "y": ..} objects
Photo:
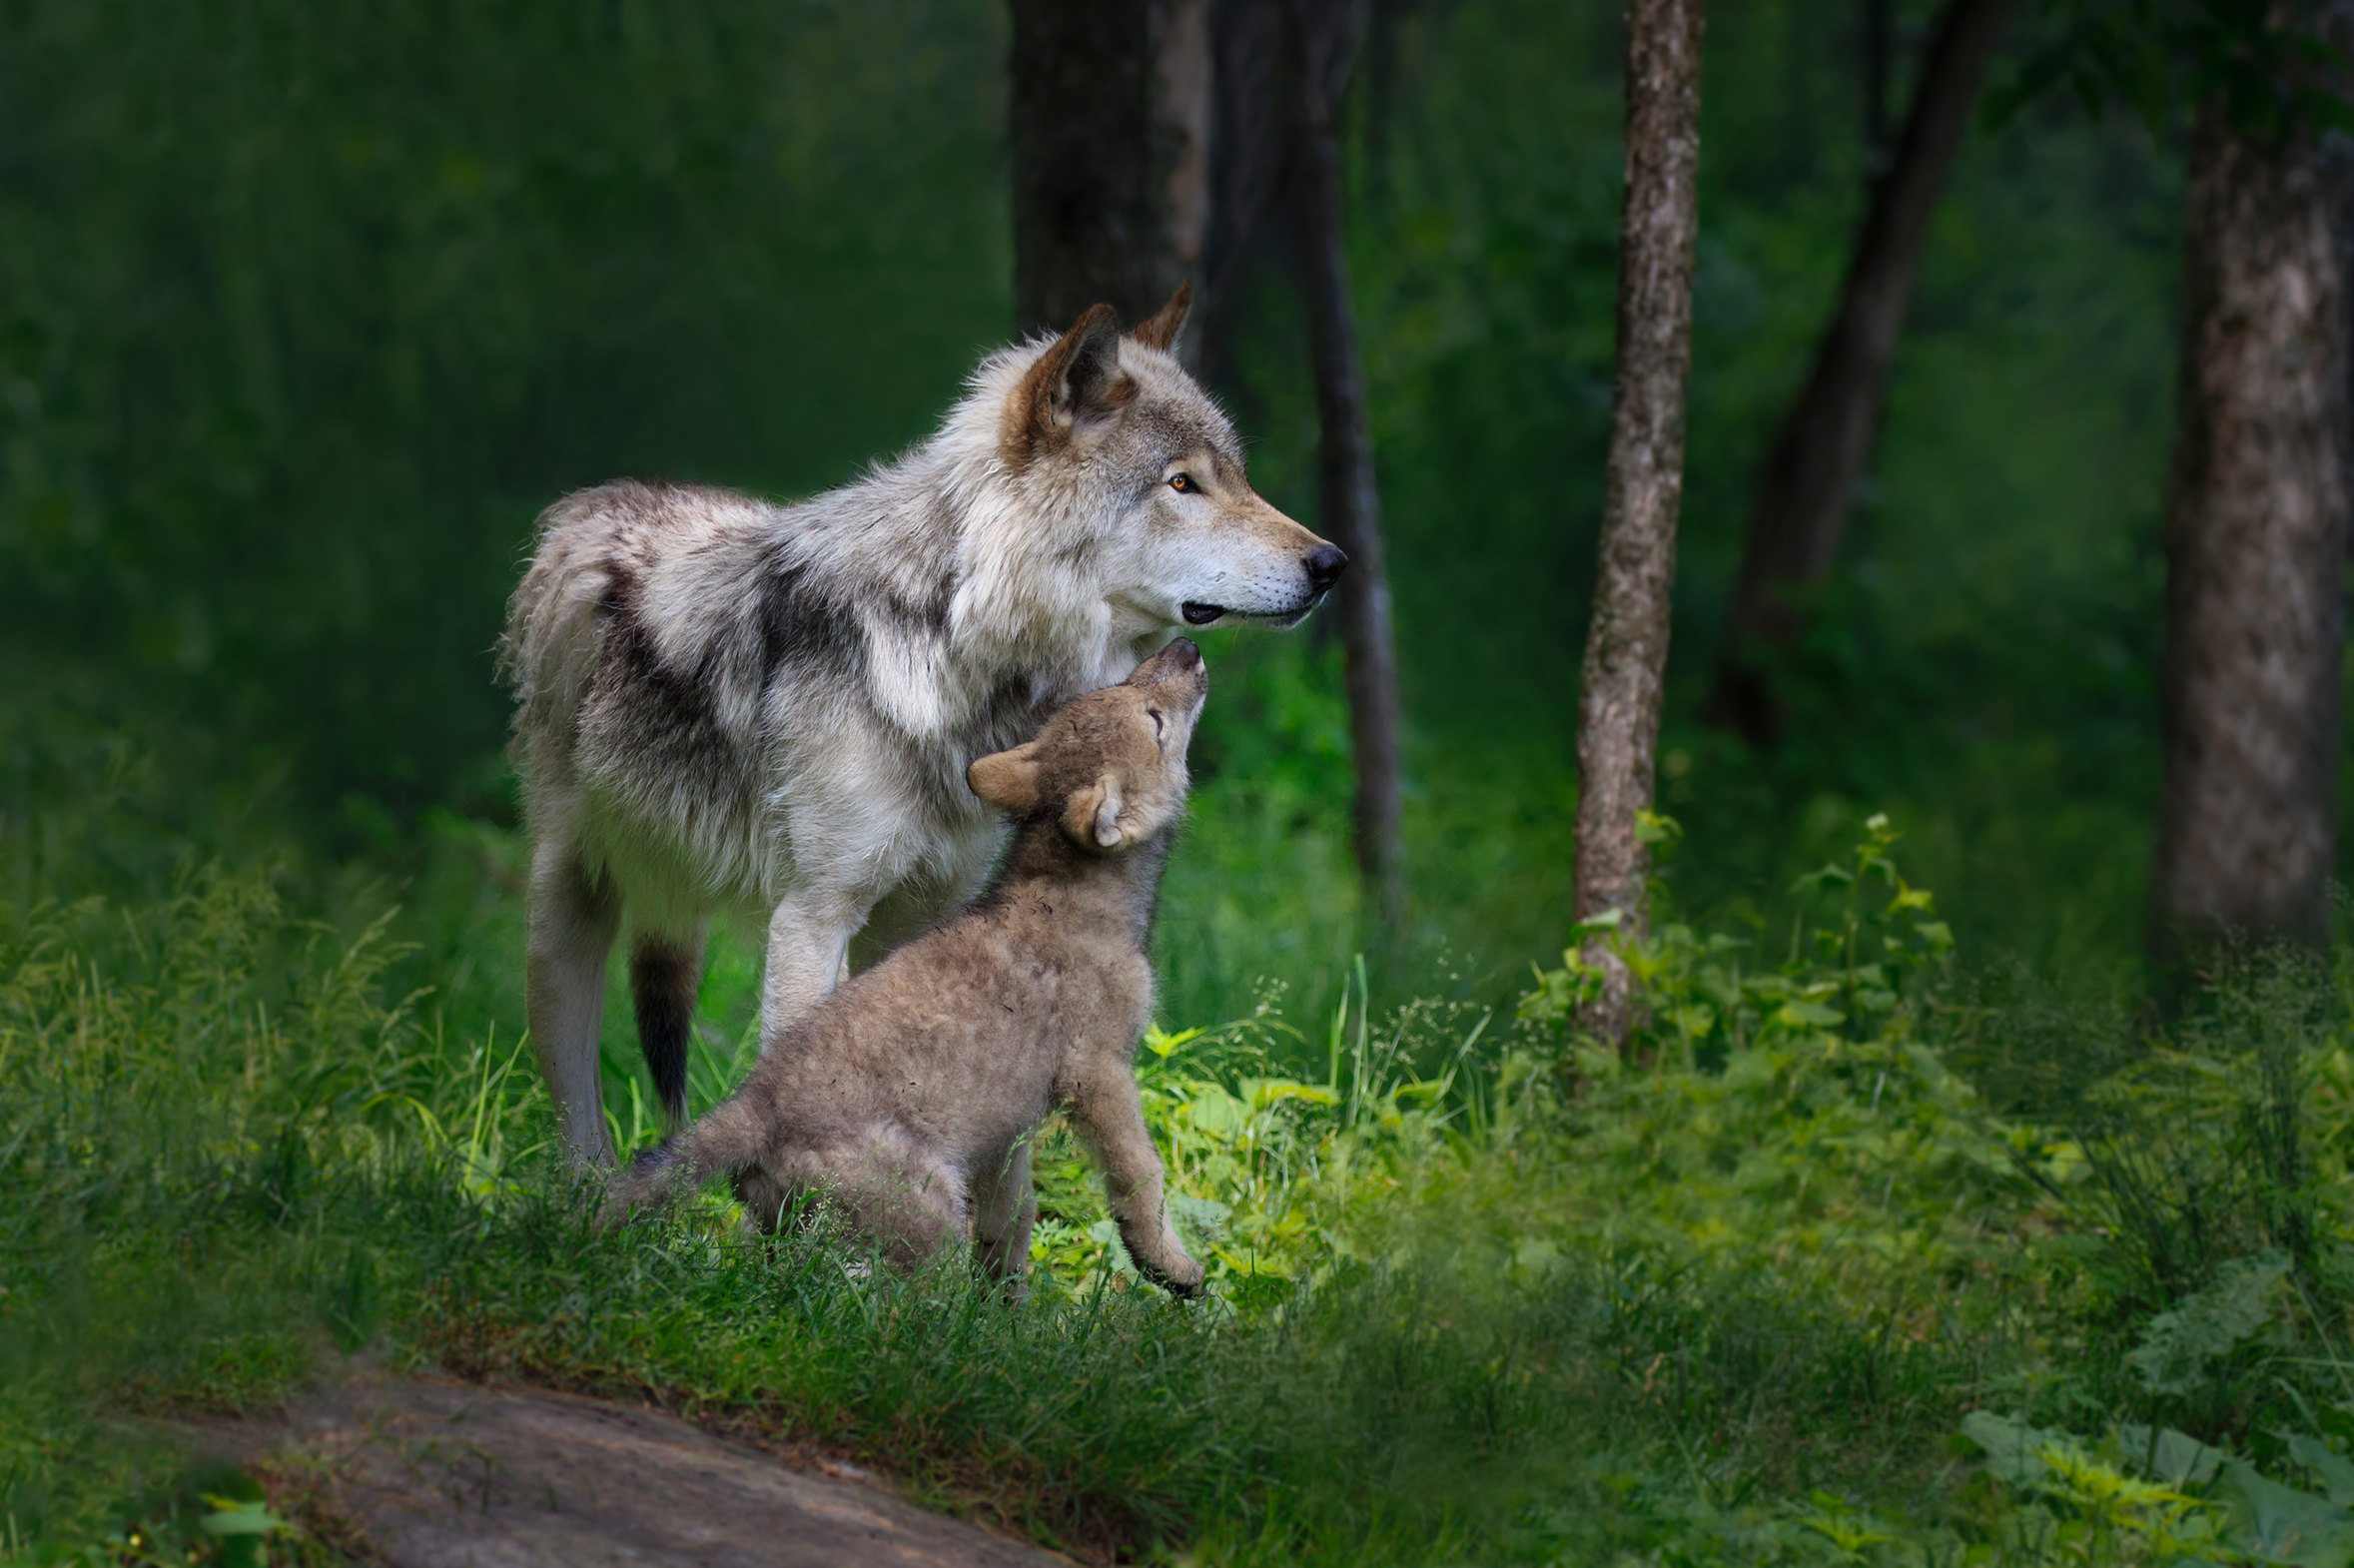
[
  {"x": 1106, "y": 1111},
  {"x": 808, "y": 946},
  {"x": 1005, "y": 1204},
  {"x": 572, "y": 918}
]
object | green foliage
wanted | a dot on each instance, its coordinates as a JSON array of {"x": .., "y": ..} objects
[
  {"x": 2182, "y": 1344},
  {"x": 310, "y": 308},
  {"x": 2273, "y": 70},
  {"x": 1848, "y": 973}
]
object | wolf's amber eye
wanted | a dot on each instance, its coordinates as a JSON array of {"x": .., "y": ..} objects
[{"x": 1183, "y": 484}]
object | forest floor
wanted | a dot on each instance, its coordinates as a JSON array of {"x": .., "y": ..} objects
[{"x": 1855, "y": 1256}]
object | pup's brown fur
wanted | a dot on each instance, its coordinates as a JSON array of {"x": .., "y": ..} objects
[{"x": 908, "y": 1097}]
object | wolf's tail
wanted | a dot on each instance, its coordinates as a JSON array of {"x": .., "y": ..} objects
[
  {"x": 551, "y": 643},
  {"x": 721, "y": 1143}
]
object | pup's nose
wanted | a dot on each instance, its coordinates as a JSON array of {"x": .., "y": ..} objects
[
  {"x": 1324, "y": 564},
  {"x": 1184, "y": 651}
]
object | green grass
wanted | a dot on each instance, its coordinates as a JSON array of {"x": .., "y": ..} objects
[{"x": 1732, "y": 1300}]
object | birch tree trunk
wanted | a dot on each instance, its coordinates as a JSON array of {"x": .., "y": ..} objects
[
  {"x": 2257, "y": 512},
  {"x": 1627, "y": 643},
  {"x": 1809, "y": 482},
  {"x": 1327, "y": 34},
  {"x": 1110, "y": 124}
]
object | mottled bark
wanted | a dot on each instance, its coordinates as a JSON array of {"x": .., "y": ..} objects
[
  {"x": 1110, "y": 126},
  {"x": 1326, "y": 37},
  {"x": 2257, "y": 513},
  {"x": 1627, "y": 643},
  {"x": 1809, "y": 482}
]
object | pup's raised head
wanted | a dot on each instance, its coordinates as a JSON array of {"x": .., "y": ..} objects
[
  {"x": 1110, "y": 766},
  {"x": 1118, "y": 443}
]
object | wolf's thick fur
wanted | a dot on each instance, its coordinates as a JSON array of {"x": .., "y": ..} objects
[
  {"x": 909, "y": 1095},
  {"x": 725, "y": 704}
]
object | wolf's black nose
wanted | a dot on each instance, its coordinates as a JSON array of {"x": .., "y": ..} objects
[{"x": 1324, "y": 564}]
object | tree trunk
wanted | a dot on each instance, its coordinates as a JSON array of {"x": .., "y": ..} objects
[
  {"x": 1110, "y": 127},
  {"x": 1326, "y": 37},
  {"x": 1627, "y": 644},
  {"x": 2257, "y": 512},
  {"x": 1808, "y": 481},
  {"x": 1252, "y": 149}
]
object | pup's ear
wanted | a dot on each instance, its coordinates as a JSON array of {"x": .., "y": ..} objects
[
  {"x": 1007, "y": 780},
  {"x": 1075, "y": 384},
  {"x": 1091, "y": 816},
  {"x": 1161, "y": 329}
]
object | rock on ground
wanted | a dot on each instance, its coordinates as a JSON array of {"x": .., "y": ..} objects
[{"x": 431, "y": 1474}]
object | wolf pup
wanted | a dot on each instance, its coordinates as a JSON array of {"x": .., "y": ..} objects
[
  {"x": 724, "y": 705},
  {"x": 909, "y": 1095}
]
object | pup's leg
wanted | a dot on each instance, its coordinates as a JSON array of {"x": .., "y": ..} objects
[
  {"x": 1107, "y": 1114},
  {"x": 665, "y": 974},
  {"x": 728, "y": 1141},
  {"x": 1005, "y": 1204},
  {"x": 911, "y": 1202},
  {"x": 572, "y": 919},
  {"x": 808, "y": 942}
]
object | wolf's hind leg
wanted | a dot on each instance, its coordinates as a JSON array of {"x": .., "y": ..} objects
[
  {"x": 574, "y": 916},
  {"x": 1005, "y": 1204},
  {"x": 665, "y": 975}
]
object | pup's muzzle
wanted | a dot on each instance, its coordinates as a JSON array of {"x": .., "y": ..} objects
[
  {"x": 1177, "y": 674},
  {"x": 1180, "y": 658}
]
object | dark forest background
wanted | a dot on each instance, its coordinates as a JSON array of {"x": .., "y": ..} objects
[{"x": 306, "y": 309}]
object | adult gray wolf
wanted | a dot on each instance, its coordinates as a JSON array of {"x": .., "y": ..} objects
[
  {"x": 908, "y": 1097},
  {"x": 724, "y": 705}
]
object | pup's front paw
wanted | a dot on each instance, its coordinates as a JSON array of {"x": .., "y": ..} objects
[
  {"x": 637, "y": 1190},
  {"x": 1176, "y": 1273}
]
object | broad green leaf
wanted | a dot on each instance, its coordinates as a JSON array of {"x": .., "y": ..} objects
[
  {"x": 2175, "y": 1458},
  {"x": 2284, "y": 1525},
  {"x": 2014, "y": 1448},
  {"x": 232, "y": 1517},
  {"x": 2332, "y": 1469},
  {"x": 2180, "y": 1345}
]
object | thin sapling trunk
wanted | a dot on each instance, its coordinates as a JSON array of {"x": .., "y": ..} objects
[{"x": 1627, "y": 643}]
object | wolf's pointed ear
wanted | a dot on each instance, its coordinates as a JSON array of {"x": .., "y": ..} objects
[
  {"x": 1075, "y": 384},
  {"x": 1161, "y": 329},
  {"x": 1091, "y": 816},
  {"x": 1007, "y": 780}
]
